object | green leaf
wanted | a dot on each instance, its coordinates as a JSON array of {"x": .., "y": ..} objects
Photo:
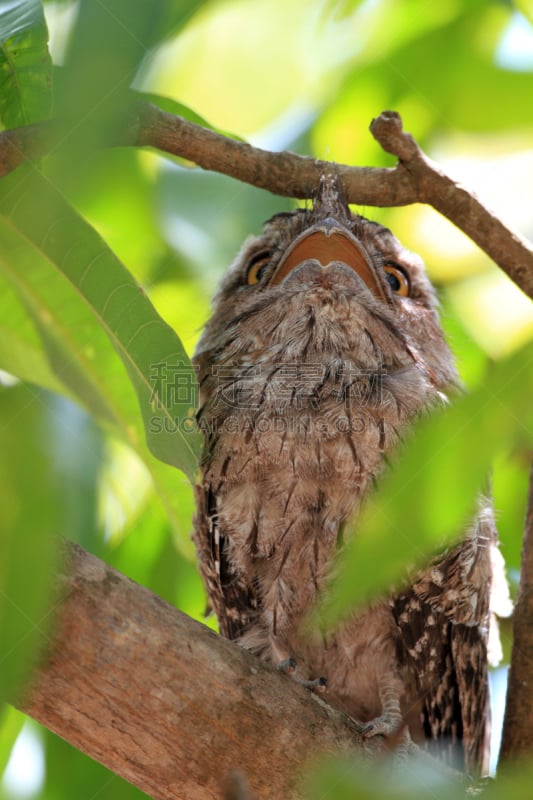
[
  {"x": 418, "y": 778},
  {"x": 108, "y": 42},
  {"x": 526, "y": 8},
  {"x": 36, "y": 219},
  {"x": 50, "y": 337},
  {"x": 25, "y": 64},
  {"x": 340, "y": 9},
  {"x": 21, "y": 352},
  {"x": 11, "y": 722},
  {"x": 174, "y": 15},
  {"x": 513, "y": 780},
  {"x": 32, "y": 489},
  {"x": 430, "y": 494},
  {"x": 71, "y": 771},
  {"x": 69, "y": 339}
]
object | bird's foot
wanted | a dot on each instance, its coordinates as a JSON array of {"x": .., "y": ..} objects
[
  {"x": 289, "y": 665},
  {"x": 395, "y": 731},
  {"x": 386, "y": 725},
  {"x": 318, "y": 685}
]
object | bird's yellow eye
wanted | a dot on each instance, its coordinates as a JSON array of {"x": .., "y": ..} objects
[
  {"x": 397, "y": 280},
  {"x": 256, "y": 267}
]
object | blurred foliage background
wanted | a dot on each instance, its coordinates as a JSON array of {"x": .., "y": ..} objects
[{"x": 305, "y": 75}]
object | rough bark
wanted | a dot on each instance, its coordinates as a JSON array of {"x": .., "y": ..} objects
[
  {"x": 517, "y": 738},
  {"x": 168, "y": 704},
  {"x": 415, "y": 179}
]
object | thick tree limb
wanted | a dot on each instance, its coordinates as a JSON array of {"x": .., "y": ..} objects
[
  {"x": 517, "y": 738},
  {"x": 415, "y": 179},
  {"x": 166, "y": 703}
]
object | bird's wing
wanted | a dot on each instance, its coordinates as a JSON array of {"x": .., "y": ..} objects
[
  {"x": 444, "y": 620},
  {"x": 231, "y": 595}
]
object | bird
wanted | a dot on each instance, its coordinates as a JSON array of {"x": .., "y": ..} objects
[{"x": 323, "y": 348}]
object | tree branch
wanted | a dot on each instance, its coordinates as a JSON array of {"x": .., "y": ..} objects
[
  {"x": 28, "y": 143},
  {"x": 415, "y": 179},
  {"x": 286, "y": 174},
  {"x": 509, "y": 249},
  {"x": 168, "y": 704},
  {"x": 517, "y": 737}
]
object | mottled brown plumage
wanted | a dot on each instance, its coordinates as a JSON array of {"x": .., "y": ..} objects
[{"x": 324, "y": 344}]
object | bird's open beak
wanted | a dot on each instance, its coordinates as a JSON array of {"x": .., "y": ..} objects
[{"x": 329, "y": 241}]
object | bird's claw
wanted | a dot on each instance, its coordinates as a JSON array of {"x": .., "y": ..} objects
[
  {"x": 288, "y": 666},
  {"x": 318, "y": 685}
]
